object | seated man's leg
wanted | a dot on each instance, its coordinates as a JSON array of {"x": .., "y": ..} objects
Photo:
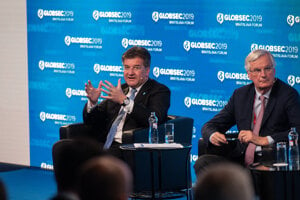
[
  {"x": 204, "y": 161},
  {"x": 230, "y": 152},
  {"x": 233, "y": 151}
]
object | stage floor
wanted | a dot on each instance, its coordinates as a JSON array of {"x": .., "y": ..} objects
[
  {"x": 29, "y": 183},
  {"x": 23, "y": 183}
]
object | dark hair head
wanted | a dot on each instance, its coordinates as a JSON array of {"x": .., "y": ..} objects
[
  {"x": 68, "y": 155},
  {"x": 140, "y": 52}
]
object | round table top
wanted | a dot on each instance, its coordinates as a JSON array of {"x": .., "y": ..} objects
[{"x": 159, "y": 146}]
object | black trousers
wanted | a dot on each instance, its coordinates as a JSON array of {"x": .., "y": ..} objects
[{"x": 115, "y": 150}]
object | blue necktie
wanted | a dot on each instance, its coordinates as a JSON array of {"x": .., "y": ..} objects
[{"x": 114, "y": 127}]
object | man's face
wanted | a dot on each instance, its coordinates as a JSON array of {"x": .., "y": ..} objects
[
  {"x": 262, "y": 73},
  {"x": 135, "y": 73}
]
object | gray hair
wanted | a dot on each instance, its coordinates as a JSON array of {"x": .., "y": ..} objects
[{"x": 255, "y": 54}]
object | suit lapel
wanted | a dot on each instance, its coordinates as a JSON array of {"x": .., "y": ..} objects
[
  {"x": 140, "y": 95},
  {"x": 270, "y": 105},
  {"x": 126, "y": 89},
  {"x": 250, "y": 107},
  {"x": 143, "y": 91}
]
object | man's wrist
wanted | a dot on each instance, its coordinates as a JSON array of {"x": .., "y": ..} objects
[
  {"x": 90, "y": 106},
  {"x": 93, "y": 103}
]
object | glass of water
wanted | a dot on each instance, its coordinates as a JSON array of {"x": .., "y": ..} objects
[{"x": 169, "y": 133}]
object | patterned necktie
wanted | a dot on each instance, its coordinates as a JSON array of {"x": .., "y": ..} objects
[
  {"x": 114, "y": 126},
  {"x": 249, "y": 155}
]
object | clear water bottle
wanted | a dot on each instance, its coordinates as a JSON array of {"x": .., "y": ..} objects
[
  {"x": 153, "y": 131},
  {"x": 293, "y": 150}
]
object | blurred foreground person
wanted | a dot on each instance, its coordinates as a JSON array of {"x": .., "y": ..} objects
[
  {"x": 224, "y": 181},
  {"x": 68, "y": 156},
  {"x": 105, "y": 178}
]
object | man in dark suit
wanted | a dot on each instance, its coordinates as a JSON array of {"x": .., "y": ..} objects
[
  {"x": 132, "y": 102},
  {"x": 281, "y": 112}
]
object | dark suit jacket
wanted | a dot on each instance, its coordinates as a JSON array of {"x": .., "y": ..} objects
[
  {"x": 152, "y": 97},
  {"x": 282, "y": 113}
]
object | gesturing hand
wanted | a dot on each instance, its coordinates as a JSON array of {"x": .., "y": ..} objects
[
  {"x": 113, "y": 93},
  {"x": 93, "y": 93}
]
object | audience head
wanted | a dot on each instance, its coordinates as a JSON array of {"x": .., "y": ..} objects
[
  {"x": 224, "y": 181},
  {"x": 205, "y": 161},
  {"x": 68, "y": 156},
  {"x": 106, "y": 177}
]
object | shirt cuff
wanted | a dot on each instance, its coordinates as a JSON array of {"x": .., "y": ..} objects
[
  {"x": 210, "y": 137},
  {"x": 89, "y": 106},
  {"x": 270, "y": 139}
]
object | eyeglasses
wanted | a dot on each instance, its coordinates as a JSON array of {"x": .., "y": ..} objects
[{"x": 257, "y": 71}]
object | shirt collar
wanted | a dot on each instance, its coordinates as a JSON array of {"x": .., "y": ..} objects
[
  {"x": 266, "y": 95},
  {"x": 137, "y": 89}
]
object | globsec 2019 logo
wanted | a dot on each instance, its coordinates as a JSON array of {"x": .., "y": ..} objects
[
  {"x": 242, "y": 20},
  {"x": 187, "y": 75},
  {"x": 206, "y": 103},
  {"x": 113, "y": 16},
  {"x": 174, "y": 18},
  {"x": 151, "y": 45},
  {"x": 58, "y": 67},
  {"x": 56, "y": 117},
  {"x": 84, "y": 42},
  {"x": 291, "y": 20},
  {"x": 212, "y": 48},
  {"x": 241, "y": 78},
  {"x": 292, "y": 80},
  {"x": 113, "y": 70},
  {"x": 75, "y": 92},
  {"x": 57, "y": 15},
  {"x": 279, "y": 51}
]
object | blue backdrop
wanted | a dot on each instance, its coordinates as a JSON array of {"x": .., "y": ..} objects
[{"x": 197, "y": 47}]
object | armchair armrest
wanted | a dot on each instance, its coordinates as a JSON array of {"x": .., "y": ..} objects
[
  {"x": 129, "y": 136},
  {"x": 75, "y": 130}
]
